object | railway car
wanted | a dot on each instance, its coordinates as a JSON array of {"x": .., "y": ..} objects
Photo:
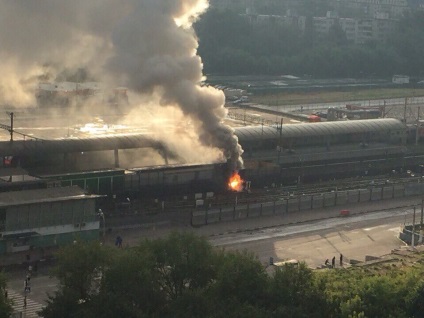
[
  {"x": 99, "y": 182},
  {"x": 147, "y": 181},
  {"x": 307, "y": 152},
  {"x": 325, "y": 134},
  {"x": 176, "y": 179}
]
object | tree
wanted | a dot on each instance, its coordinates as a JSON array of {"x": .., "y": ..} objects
[
  {"x": 163, "y": 278},
  {"x": 408, "y": 40},
  {"x": 5, "y": 303},
  {"x": 241, "y": 285},
  {"x": 295, "y": 292},
  {"x": 80, "y": 268}
]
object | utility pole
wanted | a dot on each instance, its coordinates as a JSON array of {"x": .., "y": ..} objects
[
  {"x": 279, "y": 142},
  {"x": 11, "y": 125},
  {"x": 420, "y": 239},
  {"x": 384, "y": 109},
  {"x": 413, "y": 231},
  {"x": 417, "y": 135},
  {"x": 404, "y": 110}
]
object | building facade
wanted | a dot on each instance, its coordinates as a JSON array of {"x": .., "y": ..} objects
[{"x": 43, "y": 218}]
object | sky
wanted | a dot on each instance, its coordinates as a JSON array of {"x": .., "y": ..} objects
[{"x": 148, "y": 46}]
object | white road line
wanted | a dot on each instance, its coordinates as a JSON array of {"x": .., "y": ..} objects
[{"x": 28, "y": 311}]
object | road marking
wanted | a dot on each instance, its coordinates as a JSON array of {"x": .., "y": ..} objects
[
  {"x": 373, "y": 228},
  {"x": 31, "y": 309}
]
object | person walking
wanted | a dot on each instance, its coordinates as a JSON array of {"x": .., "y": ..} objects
[
  {"x": 27, "y": 285},
  {"x": 333, "y": 262},
  {"x": 341, "y": 259}
]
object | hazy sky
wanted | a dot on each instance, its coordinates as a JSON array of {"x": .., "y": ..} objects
[{"x": 148, "y": 46}]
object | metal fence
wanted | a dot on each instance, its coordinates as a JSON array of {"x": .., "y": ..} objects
[{"x": 295, "y": 204}]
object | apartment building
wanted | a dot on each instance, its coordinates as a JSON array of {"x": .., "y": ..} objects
[{"x": 357, "y": 31}]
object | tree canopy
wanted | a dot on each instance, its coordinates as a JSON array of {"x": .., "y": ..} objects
[
  {"x": 182, "y": 275},
  {"x": 5, "y": 302},
  {"x": 229, "y": 44}
]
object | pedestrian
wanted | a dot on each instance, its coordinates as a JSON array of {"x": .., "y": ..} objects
[
  {"x": 118, "y": 241},
  {"x": 327, "y": 262},
  {"x": 333, "y": 262},
  {"x": 341, "y": 259},
  {"x": 27, "y": 284}
]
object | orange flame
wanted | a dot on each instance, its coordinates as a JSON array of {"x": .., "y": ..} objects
[{"x": 235, "y": 183}]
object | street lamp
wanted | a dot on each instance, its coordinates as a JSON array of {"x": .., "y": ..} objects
[{"x": 102, "y": 215}]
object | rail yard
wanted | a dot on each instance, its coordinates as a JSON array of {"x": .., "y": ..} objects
[{"x": 291, "y": 163}]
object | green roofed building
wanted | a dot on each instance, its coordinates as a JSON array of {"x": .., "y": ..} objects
[{"x": 44, "y": 218}]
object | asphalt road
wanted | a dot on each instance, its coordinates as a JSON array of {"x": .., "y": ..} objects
[{"x": 371, "y": 234}]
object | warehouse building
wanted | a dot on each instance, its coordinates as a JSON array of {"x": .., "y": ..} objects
[{"x": 43, "y": 218}]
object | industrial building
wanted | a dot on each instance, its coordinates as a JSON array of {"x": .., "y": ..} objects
[{"x": 44, "y": 218}]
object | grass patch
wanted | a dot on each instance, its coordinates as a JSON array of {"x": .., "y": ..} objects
[{"x": 290, "y": 98}]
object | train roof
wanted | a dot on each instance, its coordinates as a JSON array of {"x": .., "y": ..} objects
[
  {"x": 69, "y": 145},
  {"x": 245, "y": 134},
  {"x": 48, "y": 195},
  {"x": 252, "y": 133}
]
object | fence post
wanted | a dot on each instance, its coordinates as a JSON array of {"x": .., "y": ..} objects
[{"x": 191, "y": 218}]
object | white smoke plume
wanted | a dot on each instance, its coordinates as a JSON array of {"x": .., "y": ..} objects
[{"x": 148, "y": 46}]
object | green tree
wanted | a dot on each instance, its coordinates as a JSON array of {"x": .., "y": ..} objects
[
  {"x": 183, "y": 261},
  {"x": 296, "y": 292},
  {"x": 5, "y": 303},
  {"x": 408, "y": 40},
  {"x": 130, "y": 287},
  {"x": 241, "y": 285},
  {"x": 160, "y": 278},
  {"x": 80, "y": 268}
]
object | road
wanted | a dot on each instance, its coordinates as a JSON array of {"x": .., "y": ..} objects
[{"x": 372, "y": 234}]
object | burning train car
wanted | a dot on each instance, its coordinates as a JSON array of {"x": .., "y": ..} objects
[{"x": 155, "y": 181}]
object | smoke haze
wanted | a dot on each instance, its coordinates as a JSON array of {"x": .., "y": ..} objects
[{"x": 148, "y": 46}]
